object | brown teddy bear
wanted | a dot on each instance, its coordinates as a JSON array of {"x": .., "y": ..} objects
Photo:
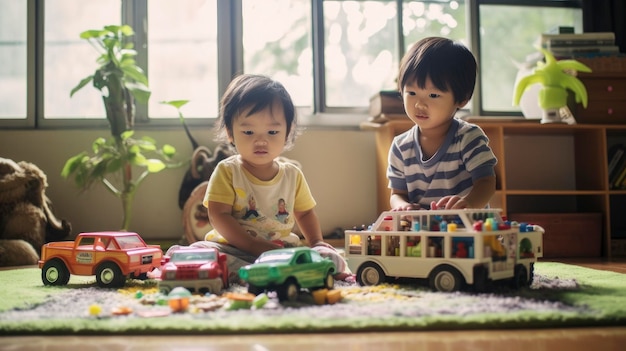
[{"x": 26, "y": 217}]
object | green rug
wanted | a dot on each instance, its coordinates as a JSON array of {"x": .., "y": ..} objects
[{"x": 561, "y": 295}]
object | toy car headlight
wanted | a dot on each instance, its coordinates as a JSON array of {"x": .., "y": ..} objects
[{"x": 203, "y": 274}]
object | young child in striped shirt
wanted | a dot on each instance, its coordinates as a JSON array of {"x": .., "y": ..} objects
[{"x": 442, "y": 162}]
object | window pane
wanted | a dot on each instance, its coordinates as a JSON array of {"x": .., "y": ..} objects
[
  {"x": 280, "y": 48},
  {"x": 13, "y": 57},
  {"x": 423, "y": 19},
  {"x": 361, "y": 50},
  {"x": 182, "y": 57},
  {"x": 68, "y": 59},
  {"x": 508, "y": 34}
]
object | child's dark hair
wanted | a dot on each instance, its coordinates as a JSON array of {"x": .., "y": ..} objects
[
  {"x": 448, "y": 64},
  {"x": 258, "y": 92}
]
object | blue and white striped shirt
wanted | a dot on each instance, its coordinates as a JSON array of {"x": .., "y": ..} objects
[{"x": 464, "y": 157}]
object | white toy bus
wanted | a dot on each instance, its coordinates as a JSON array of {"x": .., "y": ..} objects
[{"x": 450, "y": 248}]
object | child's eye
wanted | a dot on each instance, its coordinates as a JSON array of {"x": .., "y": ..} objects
[
  {"x": 248, "y": 132},
  {"x": 410, "y": 93},
  {"x": 433, "y": 95},
  {"x": 273, "y": 132}
]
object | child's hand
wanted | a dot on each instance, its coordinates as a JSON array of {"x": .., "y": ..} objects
[
  {"x": 449, "y": 203},
  {"x": 326, "y": 250},
  {"x": 407, "y": 207}
]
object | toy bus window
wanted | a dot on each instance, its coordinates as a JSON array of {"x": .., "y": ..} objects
[
  {"x": 494, "y": 248},
  {"x": 393, "y": 245},
  {"x": 415, "y": 224},
  {"x": 373, "y": 245},
  {"x": 526, "y": 249},
  {"x": 435, "y": 246},
  {"x": 413, "y": 246},
  {"x": 406, "y": 224},
  {"x": 355, "y": 245},
  {"x": 463, "y": 247}
]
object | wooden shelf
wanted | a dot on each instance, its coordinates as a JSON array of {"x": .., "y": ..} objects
[{"x": 557, "y": 168}]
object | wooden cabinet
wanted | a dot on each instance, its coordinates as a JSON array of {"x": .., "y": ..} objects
[{"x": 542, "y": 168}]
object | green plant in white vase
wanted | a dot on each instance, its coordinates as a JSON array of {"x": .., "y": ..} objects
[
  {"x": 120, "y": 161},
  {"x": 556, "y": 81}
]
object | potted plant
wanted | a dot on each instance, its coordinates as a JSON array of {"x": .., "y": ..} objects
[
  {"x": 555, "y": 80},
  {"x": 120, "y": 161}
]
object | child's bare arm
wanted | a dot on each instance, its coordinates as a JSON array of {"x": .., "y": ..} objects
[
  {"x": 309, "y": 224},
  {"x": 222, "y": 220}
]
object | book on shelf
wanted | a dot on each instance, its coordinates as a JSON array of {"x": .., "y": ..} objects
[
  {"x": 620, "y": 181},
  {"x": 583, "y": 50},
  {"x": 616, "y": 162},
  {"x": 561, "y": 30},
  {"x": 577, "y": 39}
]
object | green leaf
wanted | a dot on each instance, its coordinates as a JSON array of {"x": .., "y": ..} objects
[
  {"x": 80, "y": 85},
  {"x": 155, "y": 165},
  {"x": 136, "y": 74},
  {"x": 72, "y": 164},
  {"x": 114, "y": 165},
  {"x": 176, "y": 103},
  {"x": 134, "y": 149},
  {"x": 139, "y": 91},
  {"x": 139, "y": 159},
  {"x": 127, "y": 134},
  {"x": 168, "y": 150},
  {"x": 92, "y": 33},
  {"x": 126, "y": 30}
]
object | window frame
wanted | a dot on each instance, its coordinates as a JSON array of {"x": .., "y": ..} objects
[{"x": 230, "y": 63}]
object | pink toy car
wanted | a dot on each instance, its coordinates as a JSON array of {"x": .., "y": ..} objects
[{"x": 197, "y": 269}]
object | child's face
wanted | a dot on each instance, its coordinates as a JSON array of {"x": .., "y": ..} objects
[
  {"x": 260, "y": 137},
  {"x": 429, "y": 107}
]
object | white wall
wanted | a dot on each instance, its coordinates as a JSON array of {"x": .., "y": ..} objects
[{"x": 339, "y": 166}]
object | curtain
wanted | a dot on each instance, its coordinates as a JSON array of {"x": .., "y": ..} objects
[{"x": 606, "y": 16}]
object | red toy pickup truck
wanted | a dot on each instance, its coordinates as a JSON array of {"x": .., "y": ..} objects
[{"x": 111, "y": 256}]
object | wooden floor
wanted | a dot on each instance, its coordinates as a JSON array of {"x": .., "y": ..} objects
[{"x": 570, "y": 339}]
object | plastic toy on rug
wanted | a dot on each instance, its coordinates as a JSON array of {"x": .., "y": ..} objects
[
  {"x": 197, "y": 269},
  {"x": 111, "y": 256},
  {"x": 287, "y": 271},
  {"x": 452, "y": 249}
]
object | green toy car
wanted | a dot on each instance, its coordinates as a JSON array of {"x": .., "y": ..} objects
[{"x": 286, "y": 271}]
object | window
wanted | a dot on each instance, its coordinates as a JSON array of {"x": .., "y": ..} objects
[
  {"x": 67, "y": 59},
  {"x": 14, "y": 59},
  {"x": 506, "y": 41},
  {"x": 332, "y": 55},
  {"x": 182, "y": 59}
]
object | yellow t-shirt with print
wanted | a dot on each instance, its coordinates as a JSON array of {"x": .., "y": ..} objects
[{"x": 264, "y": 208}]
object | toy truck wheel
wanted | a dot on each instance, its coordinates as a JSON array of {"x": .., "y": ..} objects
[
  {"x": 369, "y": 273},
  {"x": 288, "y": 291},
  {"x": 329, "y": 281},
  {"x": 109, "y": 275},
  {"x": 55, "y": 272},
  {"x": 446, "y": 279},
  {"x": 520, "y": 277},
  {"x": 255, "y": 290}
]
